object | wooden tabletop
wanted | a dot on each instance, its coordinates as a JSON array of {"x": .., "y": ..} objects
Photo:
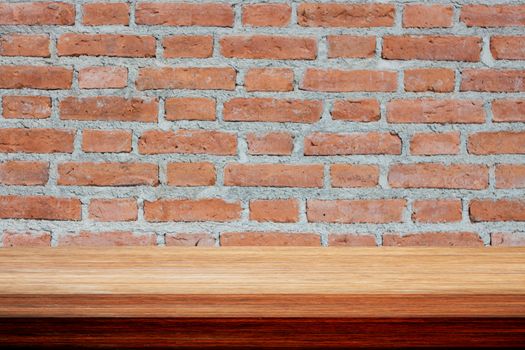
[{"x": 262, "y": 282}]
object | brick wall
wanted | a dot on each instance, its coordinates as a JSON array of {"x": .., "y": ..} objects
[{"x": 355, "y": 123}]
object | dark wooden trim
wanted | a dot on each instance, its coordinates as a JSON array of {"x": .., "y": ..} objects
[{"x": 198, "y": 333}]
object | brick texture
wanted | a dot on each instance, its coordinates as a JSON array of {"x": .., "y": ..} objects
[{"x": 209, "y": 123}]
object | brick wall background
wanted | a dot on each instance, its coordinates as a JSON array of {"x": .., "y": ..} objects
[{"x": 262, "y": 123}]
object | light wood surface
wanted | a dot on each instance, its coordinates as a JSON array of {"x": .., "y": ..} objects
[{"x": 262, "y": 282}]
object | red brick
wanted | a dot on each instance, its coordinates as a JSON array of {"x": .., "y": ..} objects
[
  {"x": 107, "y": 239},
  {"x": 427, "y": 16},
  {"x": 24, "y": 45},
  {"x": 213, "y": 209},
  {"x": 36, "y": 140},
  {"x": 25, "y": 173},
  {"x": 109, "y": 108},
  {"x": 437, "y": 210},
  {"x": 508, "y": 110},
  {"x": 266, "y": 15},
  {"x": 190, "y": 108},
  {"x": 331, "y": 144},
  {"x": 433, "y": 239},
  {"x": 27, "y": 239},
  {"x": 435, "y": 111},
  {"x": 511, "y": 239},
  {"x": 272, "y": 110},
  {"x": 185, "y": 14},
  {"x": 114, "y": 209},
  {"x": 497, "y": 142},
  {"x": 510, "y": 176},
  {"x": 333, "y": 80},
  {"x": 376, "y": 211},
  {"x": 274, "y": 210},
  {"x": 269, "y": 79},
  {"x": 508, "y": 47},
  {"x": 273, "y": 175},
  {"x": 103, "y": 77},
  {"x": 106, "y": 141},
  {"x": 191, "y": 174},
  {"x": 269, "y": 239},
  {"x": 188, "y": 46},
  {"x": 271, "y": 143},
  {"x": 435, "y": 47},
  {"x": 351, "y": 46},
  {"x": 33, "y": 107},
  {"x": 35, "y": 77},
  {"x": 188, "y": 142},
  {"x": 269, "y": 47},
  {"x": 497, "y": 210},
  {"x": 431, "y": 143},
  {"x": 345, "y": 15},
  {"x": 189, "y": 240},
  {"x": 40, "y": 208},
  {"x": 107, "y": 174},
  {"x": 97, "y": 14},
  {"x": 356, "y": 110},
  {"x": 429, "y": 79},
  {"x": 354, "y": 175},
  {"x": 492, "y": 80},
  {"x": 113, "y": 45},
  {"x": 37, "y": 13},
  {"x": 493, "y": 15},
  {"x": 437, "y": 175},
  {"x": 196, "y": 78},
  {"x": 351, "y": 240}
]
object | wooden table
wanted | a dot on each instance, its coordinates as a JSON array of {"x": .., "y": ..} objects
[{"x": 262, "y": 297}]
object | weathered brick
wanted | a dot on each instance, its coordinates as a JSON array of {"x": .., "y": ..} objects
[
  {"x": 188, "y": 142},
  {"x": 497, "y": 142},
  {"x": 427, "y": 16},
  {"x": 430, "y": 143},
  {"x": 435, "y": 111},
  {"x": 345, "y": 15},
  {"x": 22, "y": 107},
  {"x": 212, "y": 209},
  {"x": 113, "y": 45},
  {"x": 356, "y": 110},
  {"x": 266, "y": 15},
  {"x": 508, "y": 47},
  {"x": 190, "y": 239},
  {"x": 269, "y": 79},
  {"x": 437, "y": 175},
  {"x": 40, "y": 208},
  {"x": 429, "y": 79},
  {"x": 269, "y": 239},
  {"x": 354, "y": 175},
  {"x": 504, "y": 15},
  {"x": 196, "y": 78},
  {"x": 492, "y": 80},
  {"x": 107, "y": 174},
  {"x": 411, "y": 47},
  {"x": 191, "y": 174},
  {"x": 497, "y": 210},
  {"x": 113, "y": 209},
  {"x": 269, "y": 47},
  {"x": 109, "y": 108},
  {"x": 35, "y": 77},
  {"x": 351, "y": 46},
  {"x": 188, "y": 46},
  {"x": 272, "y": 143},
  {"x": 98, "y": 13},
  {"x": 272, "y": 110},
  {"x": 333, "y": 80},
  {"x": 36, "y": 140},
  {"x": 510, "y": 176},
  {"x": 433, "y": 239},
  {"x": 106, "y": 141},
  {"x": 184, "y": 14},
  {"x": 508, "y": 110},
  {"x": 437, "y": 210},
  {"x": 24, "y": 45},
  {"x": 190, "y": 108},
  {"x": 103, "y": 77},
  {"x": 331, "y": 144},
  {"x": 274, "y": 210},
  {"x": 273, "y": 175},
  {"x": 508, "y": 239},
  {"x": 26, "y": 239},
  {"x": 25, "y": 173},
  {"x": 37, "y": 13},
  {"x": 107, "y": 239},
  {"x": 351, "y": 240},
  {"x": 375, "y": 211}
]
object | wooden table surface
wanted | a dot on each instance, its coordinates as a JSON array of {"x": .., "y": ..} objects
[{"x": 266, "y": 290}]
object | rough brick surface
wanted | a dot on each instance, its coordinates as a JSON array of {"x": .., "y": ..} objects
[{"x": 309, "y": 122}]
